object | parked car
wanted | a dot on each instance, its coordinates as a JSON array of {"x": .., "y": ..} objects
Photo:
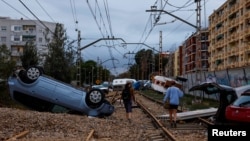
[
  {"x": 227, "y": 95},
  {"x": 40, "y": 92},
  {"x": 239, "y": 110}
]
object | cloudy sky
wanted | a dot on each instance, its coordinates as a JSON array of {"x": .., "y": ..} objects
[{"x": 126, "y": 20}]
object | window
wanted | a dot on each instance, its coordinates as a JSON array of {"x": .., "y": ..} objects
[
  {"x": 219, "y": 37},
  {"x": 219, "y": 25},
  {"x": 16, "y": 28},
  {"x": 204, "y": 46},
  {"x": 3, "y": 28},
  {"x": 162, "y": 83},
  {"x": 3, "y": 39},
  {"x": 40, "y": 39},
  {"x": 16, "y": 38}
]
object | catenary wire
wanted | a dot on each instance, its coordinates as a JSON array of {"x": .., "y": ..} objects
[{"x": 45, "y": 10}]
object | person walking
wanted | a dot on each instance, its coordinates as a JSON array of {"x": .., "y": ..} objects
[
  {"x": 173, "y": 94},
  {"x": 128, "y": 98}
]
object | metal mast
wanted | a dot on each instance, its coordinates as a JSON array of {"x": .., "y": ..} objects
[
  {"x": 198, "y": 43},
  {"x": 160, "y": 54},
  {"x": 78, "y": 61}
]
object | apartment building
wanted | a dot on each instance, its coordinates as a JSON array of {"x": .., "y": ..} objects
[
  {"x": 229, "y": 36},
  {"x": 14, "y": 33},
  {"x": 195, "y": 52}
]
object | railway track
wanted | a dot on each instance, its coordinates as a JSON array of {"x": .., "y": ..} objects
[
  {"x": 159, "y": 128},
  {"x": 195, "y": 129}
]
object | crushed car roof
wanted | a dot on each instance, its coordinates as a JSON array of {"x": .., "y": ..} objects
[{"x": 212, "y": 87}]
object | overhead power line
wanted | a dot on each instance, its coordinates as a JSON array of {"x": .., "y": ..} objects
[
  {"x": 45, "y": 10},
  {"x": 35, "y": 16},
  {"x": 15, "y": 9},
  {"x": 73, "y": 9}
]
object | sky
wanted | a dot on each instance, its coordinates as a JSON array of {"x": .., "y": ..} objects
[{"x": 128, "y": 21}]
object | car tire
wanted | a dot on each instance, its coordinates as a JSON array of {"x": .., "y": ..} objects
[
  {"x": 33, "y": 73},
  {"x": 95, "y": 98},
  {"x": 22, "y": 75}
]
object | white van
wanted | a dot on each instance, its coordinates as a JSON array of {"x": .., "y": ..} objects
[{"x": 118, "y": 84}]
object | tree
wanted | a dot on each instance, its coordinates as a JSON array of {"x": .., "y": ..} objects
[
  {"x": 59, "y": 62},
  {"x": 29, "y": 57},
  {"x": 144, "y": 64},
  {"x": 7, "y": 65},
  {"x": 143, "y": 59}
]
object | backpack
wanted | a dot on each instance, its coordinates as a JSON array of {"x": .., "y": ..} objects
[{"x": 126, "y": 94}]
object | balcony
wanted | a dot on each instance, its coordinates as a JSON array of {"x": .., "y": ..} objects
[
  {"x": 247, "y": 48},
  {"x": 29, "y": 32},
  {"x": 247, "y": 15},
  {"x": 231, "y": 51},
  {"x": 247, "y": 31},
  {"x": 228, "y": 52}
]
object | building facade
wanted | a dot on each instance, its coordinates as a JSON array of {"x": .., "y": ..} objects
[
  {"x": 229, "y": 36},
  {"x": 195, "y": 52},
  {"x": 15, "y": 33}
]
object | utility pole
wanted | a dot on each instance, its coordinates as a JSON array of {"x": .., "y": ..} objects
[
  {"x": 153, "y": 62},
  {"x": 98, "y": 66},
  {"x": 92, "y": 75},
  {"x": 78, "y": 61},
  {"x": 198, "y": 62},
  {"x": 100, "y": 72},
  {"x": 198, "y": 15},
  {"x": 160, "y": 55}
]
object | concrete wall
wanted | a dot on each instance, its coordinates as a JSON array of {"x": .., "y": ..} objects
[{"x": 230, "y": 77}]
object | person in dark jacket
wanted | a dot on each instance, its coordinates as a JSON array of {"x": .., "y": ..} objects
[{"x": 128, "y": 103}]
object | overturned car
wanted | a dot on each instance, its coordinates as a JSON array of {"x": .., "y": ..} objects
[
  {"x": 37, "y": 91},
  {"x": 229, "y": 98}
]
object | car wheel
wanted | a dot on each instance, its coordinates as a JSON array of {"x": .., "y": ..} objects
[
  {"x": 94, "y": 98},
  {"x": 33, "y": 73},
  {"x": 22, "y": 75}
]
